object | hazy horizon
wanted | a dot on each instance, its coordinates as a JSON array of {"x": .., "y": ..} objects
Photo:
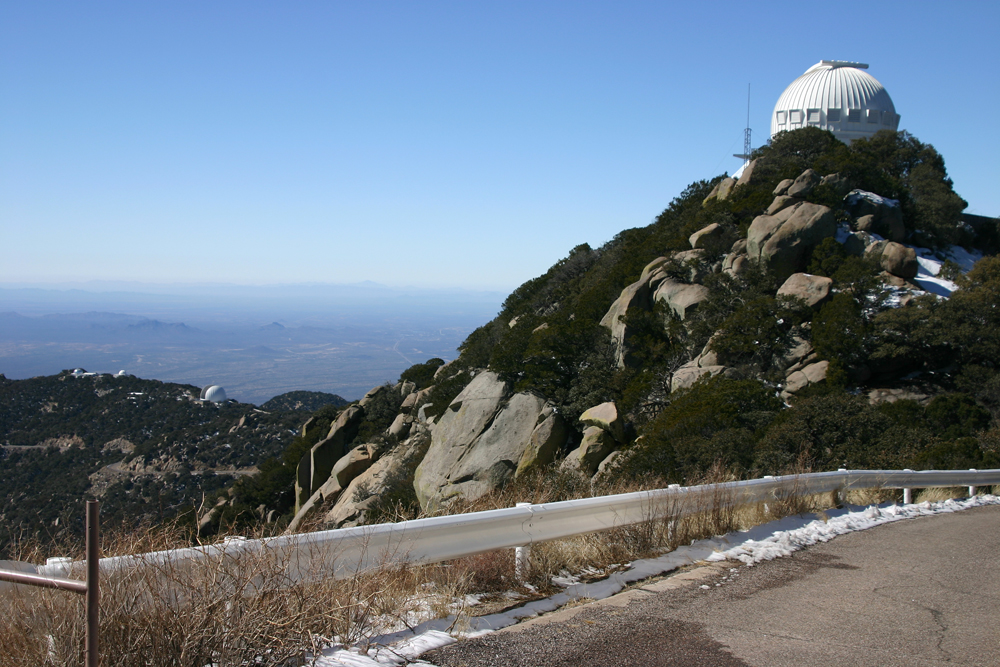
[{"x": 338, "y": 339}]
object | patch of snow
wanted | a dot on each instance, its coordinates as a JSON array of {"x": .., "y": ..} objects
[
  {"x": 765, "y": 542},
  {"x": 785, "y": 542},
  {"x": 854, "y": 196}
]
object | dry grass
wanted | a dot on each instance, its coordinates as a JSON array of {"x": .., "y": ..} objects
[
  {"x": 225, "y": 610},
  {"x": 244, "y": 610},
  {"x": 939, "y": 494}
]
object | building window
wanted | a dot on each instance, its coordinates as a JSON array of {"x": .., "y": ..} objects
[
  {"x": 780, "y": 117},
  {"x": 795, "y": 116},
  {"x": 854, "y": 116},
  {"x": 813, "y": 115},
  {"x": 889, "y": 119},
  {"x": 833, "y": 115},
  {"x": 874, "y": 115}
]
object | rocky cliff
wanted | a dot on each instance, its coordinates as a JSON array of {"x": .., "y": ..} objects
[{"x": 788, "y": 318}]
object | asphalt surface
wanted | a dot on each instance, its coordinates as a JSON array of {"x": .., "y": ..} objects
[{"x": 918, "y": 592}]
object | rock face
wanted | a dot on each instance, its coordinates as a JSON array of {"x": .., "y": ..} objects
[
  {"x": 782, "y": 187},
  {"x": 783, "y": 241},
  {"x": 813, "y": 290},
  {"x": 480, "y": 440},
  {"x": 314, "y": 468}
]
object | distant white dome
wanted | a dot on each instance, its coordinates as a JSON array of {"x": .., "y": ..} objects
[
  {"x": 838, "y": 96},
  {"x": 213, "y": 393}
]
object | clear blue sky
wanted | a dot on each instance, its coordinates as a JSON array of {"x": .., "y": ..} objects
[{"x": 463, "y": 144}]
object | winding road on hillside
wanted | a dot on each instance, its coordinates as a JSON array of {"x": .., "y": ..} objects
[{"x": 921, "y": 592}]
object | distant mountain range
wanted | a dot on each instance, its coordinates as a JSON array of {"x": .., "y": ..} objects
[{"x": 335, "y": 339}]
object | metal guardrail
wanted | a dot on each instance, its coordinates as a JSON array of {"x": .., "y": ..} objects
[
  {"x": 346, "y": 551},
  {"x": 90, "y": 588}
]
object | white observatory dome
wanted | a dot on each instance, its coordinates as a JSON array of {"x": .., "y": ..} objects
[
  {"x": 213, "y": 393},
  {"x": 838, "y": 96}
]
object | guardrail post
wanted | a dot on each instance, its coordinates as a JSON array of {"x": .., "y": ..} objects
[
  {"x": 522, "y": 557},
  {"x": 972, "y": 489},
  {"x": 907, "y": 493},
  {"x": 92, "y": 645}
]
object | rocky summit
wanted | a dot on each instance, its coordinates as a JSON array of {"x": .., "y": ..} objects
[
  {"x": 831, "y": 307},
  {"x": 828, "y": 308}
]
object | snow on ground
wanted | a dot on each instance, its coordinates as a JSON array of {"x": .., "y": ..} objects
[
  {"x": 930, "y": 263},
  {"x": 765, "y": 542}
]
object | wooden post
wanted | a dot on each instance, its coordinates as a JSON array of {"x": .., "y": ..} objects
[{"x": 92, "y": 645}]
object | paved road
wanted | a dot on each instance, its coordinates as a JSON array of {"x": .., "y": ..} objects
[{"x": 918, "y": 593}]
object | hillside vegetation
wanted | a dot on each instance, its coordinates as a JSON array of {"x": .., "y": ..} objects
[
  {"x": 772, "y": 324},
  {"x": 819, "y": 312},
  {"x": 148, "y": 449}
]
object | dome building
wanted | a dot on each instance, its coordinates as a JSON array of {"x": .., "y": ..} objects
[
  {"x": 838, "y": 96},
  {"x": 214, "y": 394}
]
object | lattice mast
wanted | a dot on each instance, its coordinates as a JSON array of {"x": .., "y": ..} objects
[{"x": 745, "y": 156}]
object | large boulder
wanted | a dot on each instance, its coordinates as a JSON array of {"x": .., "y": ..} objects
[
  {"x": 350, "y": 465},
  {"x": 711, "y": 237},
  {"x": 735, "y": 264},
  {"x": 798, "y": 355},
  {"x": 721, "y": 190},
  {"x": 691, "y": 372},
  {"x": 315, "y": 466},
  {"x": 747, "y": 176},
  {"x": 635, "y": 295},
  {"x": 400, "y": 427},
  {"x": 480, "y": 442},
  {"x": 814, "y": 291},
  {"x": 877, "y": 215},
  {"x": 545, "y": 442},
  {"x": 812, "y": 374},
  {"x": 804, "y": 184},
  {"x": 780, "y": 202},
  {"x": 463, "y": 420},
  {"x": 605, "y": 416},
  {"x": 839, "y": 184},
  {"x": 782, "y": 187},
  {"x": 493, "y": 457},
  {"x": 389, "y": 473},
  {"x": 693, "y": 260},
  {"x": 899, "y": 260},
  {"x": 594, "y": 448},
  {"x": 784, "y": 241},
  {"x": 682, "y": 298}
]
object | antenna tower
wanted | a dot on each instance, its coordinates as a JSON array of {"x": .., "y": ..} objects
[
  {"x": 746, "y": 132},
  {"x": 745, "y": 156}
]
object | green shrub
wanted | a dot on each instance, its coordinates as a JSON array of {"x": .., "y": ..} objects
[{"x": 422, "y": 375}]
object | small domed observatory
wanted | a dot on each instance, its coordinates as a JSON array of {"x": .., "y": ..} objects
[
  {"x": 838, "y": 96},
  {"x": 214, "y": 394}
]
